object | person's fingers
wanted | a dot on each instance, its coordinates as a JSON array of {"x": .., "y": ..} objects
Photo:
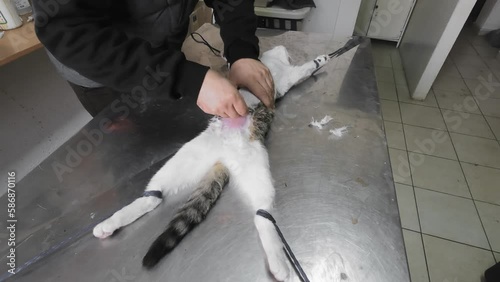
[
  {"x": 222, "y": 115},
  {"x": 231, "y": 112},
  {"x": 204, "y": 108},
  {"x": 260, "y": 92},
  {"x": 240, "y": 107},
  {"x": 269, "y": 80},
  {"x": 269, "y": 93},
  {"x": 266, "y": 86}
]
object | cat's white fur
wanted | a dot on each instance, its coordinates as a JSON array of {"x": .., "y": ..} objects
[{"x": 245, "y": 158}]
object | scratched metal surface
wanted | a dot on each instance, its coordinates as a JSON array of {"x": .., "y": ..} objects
[{"x": 335, "y": 198}]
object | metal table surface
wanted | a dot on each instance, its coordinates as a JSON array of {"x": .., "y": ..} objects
[{"x": 335, "y": 197}]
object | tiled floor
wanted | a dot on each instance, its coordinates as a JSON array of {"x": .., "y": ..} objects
[{"x": 445, "y": 155}]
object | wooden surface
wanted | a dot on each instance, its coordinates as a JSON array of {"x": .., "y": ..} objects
[{"x": 18, "y": 42}]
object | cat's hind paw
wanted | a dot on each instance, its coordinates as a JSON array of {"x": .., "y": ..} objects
[
  {"x": 103, "y": 229},
  {"x": 321, "y": 61},
  {"x": 279, "y": 268}
]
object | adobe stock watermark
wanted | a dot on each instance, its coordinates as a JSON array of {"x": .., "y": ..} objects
[
  {"x": 122, "y": 276},
  {"x": 383, "y": 19},
  {"x": 92, "y": 138},
  {"x": 45, "y": 10},
  {"x": 221, "y": 7},
  {"x": 454, "y": 118}
]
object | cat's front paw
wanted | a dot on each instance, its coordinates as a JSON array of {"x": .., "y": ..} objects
[
  {"x": 279, "y": 268},
  {"x": 104, "y": 229}
]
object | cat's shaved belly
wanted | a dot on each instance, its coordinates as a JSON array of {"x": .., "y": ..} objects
[{"x": 239, "y": 122}]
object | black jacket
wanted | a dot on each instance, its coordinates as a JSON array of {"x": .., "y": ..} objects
[{"x": 121, "y": 43}]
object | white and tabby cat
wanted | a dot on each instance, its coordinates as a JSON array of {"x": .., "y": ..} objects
[{"x": 228, "y": 152}]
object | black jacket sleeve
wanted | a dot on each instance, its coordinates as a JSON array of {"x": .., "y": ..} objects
[
  {"x": 238, "y": 24},
  {"x": 81, "y": 35}
]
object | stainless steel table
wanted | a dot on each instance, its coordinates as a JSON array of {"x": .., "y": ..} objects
[{"x": 335, "y": 199}]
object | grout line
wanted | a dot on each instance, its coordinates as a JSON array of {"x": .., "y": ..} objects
[
  {"x": 474, "y": 114},
  {"x": 472, "y": 199},
  {"x": 395, "y": 190},
  {"x": 440, "y": 157},
  {"x": 448, "y": 132},
  {"x": 413, "y": 188},
  {"x": 448, "y": 194},
  {"x": 487, "y": 122},
  {"x": 486, "y": 138},
  {"x": 450, "y": 240},
  {"x": 405, "y": 102},
  {"x": 470, "y": 192},
  {"x": 444, "y": 130}
]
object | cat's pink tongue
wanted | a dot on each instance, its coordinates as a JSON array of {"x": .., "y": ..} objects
[{"x": 234, "y": 122}]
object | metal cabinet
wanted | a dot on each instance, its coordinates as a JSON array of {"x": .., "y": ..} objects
[{"x": 383, "y": 19}]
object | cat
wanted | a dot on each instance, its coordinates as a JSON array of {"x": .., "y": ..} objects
[{"x": 229, "y": 152}]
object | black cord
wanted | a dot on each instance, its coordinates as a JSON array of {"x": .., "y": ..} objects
[
  {"x": 355, "y": 41},
  {"x": 214, "y": 50},
  {"x": 288, "y": 250}
]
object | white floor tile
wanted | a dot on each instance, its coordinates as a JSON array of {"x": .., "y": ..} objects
[
  {"x": 474, "y": 72},
  {"x": 480, "y": 41},
  {"x": 467, "y": 34},
  {"x": 449, "y": 70},
  {"x": 496, "y": 72},
  {"x": 390, "y": 110},
  {"x": 487, "y": 52},
  {"x": 382, "y": 59},
  {"x": 438, "y": 174},
  {"x": 450, "y": 217},
  {"x": 469, "y": 60},
  {"x": 495, "y": 125},
  {"x": 387, "y": 90},
  {"x": 429, "y": 141},
  {"x": 453, "y": 262},
  {"x": 466, "y": 123},
  {"x": 478, "y": 89},
  {"x": 394, "y": 134},
  {"x": 476, "y": 150},
  {"x": 397, "y": 64},
  {"x": 422, "y": 116},
  {"x": 404, "y": 96},
  {"x": 451, "y": 84},
  {"x": 400, "y": 166},
  {"x": 457, "y": 101},
  {"x": 497, "y": 256},
  {"x": 407, "y": 207},
  {"x": 462, "y": 48},
  {"x": 384, "y": 74},
  {"x": 493, "y": 64},
  {"x": 489, "y": 107},
  {"x": 490, "y": 216},
  {"x": 483, "y": 182},
  {"x": 416, "y": 256},
  {"x": 400, "y": 77}
]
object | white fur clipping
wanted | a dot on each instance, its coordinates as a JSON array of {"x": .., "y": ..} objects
[
  {"x": 338, "y": 132},
  {"x": 321, "y": 123}
]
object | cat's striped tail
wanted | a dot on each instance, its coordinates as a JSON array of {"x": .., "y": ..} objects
[{"x": 190, "y": 215}]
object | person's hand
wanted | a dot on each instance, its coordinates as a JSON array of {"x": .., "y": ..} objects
[
  {"x": 218, "y": 96},
  {"x": 254, "y": 76}
]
